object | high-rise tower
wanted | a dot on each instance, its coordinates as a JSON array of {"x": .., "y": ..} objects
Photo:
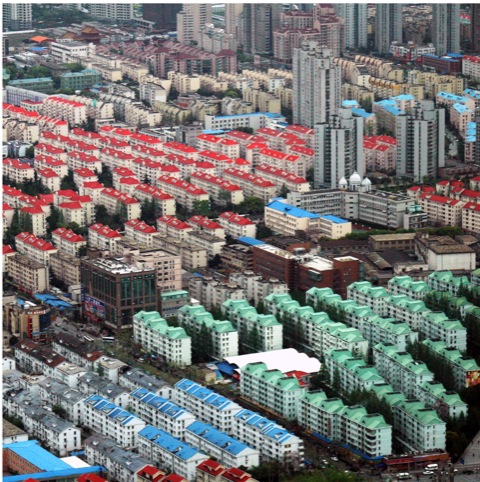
[
  {"x": 388, "y": 25},
  {"x": 355, "y": 16},
  {"x": 191, "y": 19},
  {"x": 446, "y": 28},
  {"x": 163, "y": 14}
]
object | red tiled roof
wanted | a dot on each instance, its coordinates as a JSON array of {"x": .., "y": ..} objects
[
  {"x": 439, "y": 199},
  {"x": 174, "y": 222},
  {"x": 236, "y": 218},
  {"x": 472, "y": 206},
  {"x": 84, "y": 172},
  {"x": 120, "y": 196},
  {"x": 288, "y": 176},
  {"x": 153, "y": 191},
  {"x": 16, "y": 164},
  {"x": 93, "y": 185},
  {"x": 32, "y": 210},
  {"x": 183, "y": 185},
  {"x": 7, "y": 207},
  {"x": 68, "y": 235},
  {"x": 211, "y": 467},
  {"x": 47, "y": 172},
  {"x": 7, "y": 249},
  {"x": 105, "y": 231},
  {"x": 258, "y": 181},
  {"x": 37, "y": 243},
  {"x": 71, "y": 205},
  {"x": 224, "y": 184},
  {"x": 204, "y": 222},
  {"x": 141, "y": 226}
]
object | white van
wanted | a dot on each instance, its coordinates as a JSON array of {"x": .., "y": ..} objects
[
  {"x": 432, "y": 467},
  {"x": 403, "y": 476}
]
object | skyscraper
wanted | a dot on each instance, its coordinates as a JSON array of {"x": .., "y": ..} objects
[
  {"x": 115, "y": 11},
  {"x": 17, "y": 16},
  {"x": 355, "y": 16},
  {"x": 338, "y": 148},
  {"x": 233, "y": 13},
  {"x": 420, "y": 141},
  {"x": 163, "y": 14},
  {"x": 316, "y": 84},
  {"x": 388, "y": 25},
  {"x": 190, "y": 19},
  {"x": 475, "y": 26},
  {"x": 330, "y": 28},
  {"x": 446, "y": 28},
  {"x": 257, "y": 24}
]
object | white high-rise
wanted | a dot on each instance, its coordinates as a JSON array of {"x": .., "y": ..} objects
[
  {"x": 115, "y": 11},
  {"x": 338, "y": 148},
  {"x": 191, "y": 19},
  {"x": 388, "y": 25},
  {"x": 355, "y": 16},
  {"x": 446, "y": 28},
  {"x": 17, "y": 16},
  {"x": 420, "y": 141},
  {"x": 316, "y": 85}
]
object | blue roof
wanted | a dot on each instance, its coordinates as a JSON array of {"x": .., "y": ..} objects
[
  {"x": 213, "y": 131},
  {"x": 404, "y": 97},
  {"x": 161, "y": 404},
  {"x": 36, "y": 455},
  {"x": 168, "y": 443},
  {"x": 28, "y": 81},
  {"x": 57, "y": 474},
  {"x": 215, "y": 437},
  {"x": 334, "y": 219},
  {"x": 226, "y": 367},
  {"x": 431, "y": 56},
  {"x": 113, "y": 411},
  {"x": 206, "y": 395},
  {"x": 361, "y": 112},
  {"x": 460, "y": 108},
  {"x": 393, "y": 110},
  {"x": 349, "y": 103},
  {"x": 250, "y": 241},
  {"x": 455, "y": 56},
  {"x": 472, "y": 93},
  {"x": 291, "y": 210},
  {"x": 452, "y": 97}
]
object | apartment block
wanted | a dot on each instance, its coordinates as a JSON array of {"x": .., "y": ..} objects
[
  {"x": 223, "y": 336},
  {"x": 237, "y": 226},
  {"x": 251, "y": 185},
  {"x": 282, "y": 178},
  {"x": 406, "y": 285},
  {"x": 185, "y": 193},
  {"x": 154, "y": 334},
  {"x": 257, "y": 333},
  {"x": 161, "y": 412},
  {"x": 69, "y": 242},
  {"x": 164, "y": 201},
  {"x": 73, "y": 112},
  {"x": 288, "y": 220},
  {"x": 116, "y": 201},
  {"x": 220, "y": 190}
]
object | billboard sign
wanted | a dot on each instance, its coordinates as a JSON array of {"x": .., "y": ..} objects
[
  {"x": 473, "y": 378},
  {"x": 94, "y": 307}
]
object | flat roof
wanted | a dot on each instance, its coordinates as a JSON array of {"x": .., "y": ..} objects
[
  {"x": 334, "y": 219},
  {"x": 291, "y": 210}
]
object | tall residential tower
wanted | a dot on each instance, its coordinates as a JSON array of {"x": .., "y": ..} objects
[
  {"x": 388, "y": 25},
  {"x": 355, "y": 16},
  {"x": 446, "y": 28},
  {"x": 191, "y": 19}
]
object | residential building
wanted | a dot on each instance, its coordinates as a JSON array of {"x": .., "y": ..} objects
[
  {"x": 206, "y": 405},
  {"x": 405, "y": 285},
  {"x": 447, "y": 403},
  {"x": 334, "y": 227},
  {"x": 220, "y": 190},
  {"x": 86, "y": 78},
  {"x": 102, "y": 237},
  {"x": 446, "y": 28},
  {"x": 154, "y": 334},
  {"x": 42, "y": 84},
  {"x": 316, "y": 85},
  {"x": 353, "y": 426},
  {"x": 160, "y": 447},
  {"x": 29, "y": 321},
  {"x": 217, "y": 338},
  {"x": 73, "y": 112},
  {"x": 190, "y": 20},
  {"x": 117, "y": 290},
  {"x": 288, "y": 220},
  {"x": 223, "y": 447},
  {"x": 355, "y": 18},
  {"x": 236, "y": 225},
  {"x": 209, "y": 292},
  {"x": 172, "y": 301},
  {"x": 252, "y": 185},
  {"x": 282, "y": 178},
  {"x": 187, "y": 194},
  {"x": 17, "y": 16},
  {"x": 160, "y": 412},
  {"x": 103, "y": 451},
  {"x": 136, "y": 378},
  {"x": 256, "y": 287},
  {"x": 116, "y": 201},
  {"x": 388, "y": 26},
  {"x": 257, "y": 333},
  {"x": 69, "y": 242},
  {"x": 28, "y": 274},
  {"x": 210, "y": 470},
  {"x": 115, "y": 11}
]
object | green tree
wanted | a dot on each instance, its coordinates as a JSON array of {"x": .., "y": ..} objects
[
  {"x": 106, "y": 176},
  {"x": 30, "y": 152},
  {"x": 100, "y": 370},
  {"x": 67, "y": 182},
  {"x": 101, "y": 214},
  {"x": 56, "y": 219},
  {"x": 251, "y": 205},
  {"x": 284, "y": 191},
  {"x": 201, "y": 207},
  {"x": 60, "y": 411}
]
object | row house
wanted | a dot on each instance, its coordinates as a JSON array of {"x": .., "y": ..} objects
[
  {"x": 82, "y": 175},
  {"x": 56, "y": 140},
  {"x": 164, "y": 201},
  {"x": 92, "y": 383},
  {"x": 146, "y": 152},
  {"x": 76, "y": 351},
  {"x": 74, "y": 113},
  {"x": 66, "y": 240},
  {"x": 236, "y": 225},
  {"x": 126, "y": 185},
  {"x": 447, "y": 281},
  {"x": 185, "y": 193},
  {"x": 37, "y": 359},
  {"x": 57, "y": 126},
  {"x": 406, "y": 285},
  {"x": 161, "y": 448},
  {"x": 442, "y": 210},
  {"x": 271, "y": 389},
  {"x": 268, "y": 332},
  {"x": 116, "y": 201},
  {"x": 146, "y": 169},
  {"x": 141, "y": 232},
  {"x": 78, "y": 159},
  {"x": 380, "y": 153},
  {"x": 223, "y": 337},
  {"x": 172, "y": 344},
  {"x": 287, "y": 162},
  {"x": 82, "y": 147},
  {"x": 464, "y": 368},
  {"x": 353, "y": 426},
  {"x": 103, "y": 237},
  {"x": 221, "y": 145},
  {"x": 17, "y": 171},
  {"x": 58, "y": 435},
  {"x": 35, "y": 248},
  {"x": 37, "y": 219},
  {"x": 252, "y": 185},
  {"x": 273, "y": 441},
  {"x": 243, "y": 139},
  {"x": 180, "y": 149},
  {"x": 161, "y": 412},
  {"x": 204, "y": 224},
  {"x": 76, "y": 208},
  {"x": 471, "y": 217},
  {"x": 119, "y": 133},
  {"x": 415, "y": 425},
  {"x": 55, "y": 392},
  {"x": 206, "y": 405},
  {"x": 186, "y": 165},
  {"x": 139, "y": 139},
  {"x": 282, "y": 179},
  {"x": 137, "y": 378},
  {"x": 170, "y": 226},
  {"x": 114, "y": 158},
  {"x": 224, "y": 448},
  {"x": 114, "y": 422},
  {"x": 49, "y": 178},
  {"x": 121, "y": 464},
  {"x": 220, "y": 161},
  {"x": 220, "y": 190},
  {"x": 78, "y": 134},
  {"x": 46, "y": 149},
  {"x": 58, "y": 166}
]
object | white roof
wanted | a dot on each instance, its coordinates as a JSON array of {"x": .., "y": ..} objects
[
  {"x": 75, "y": 462},
  {"x": 285, "y": 360}
]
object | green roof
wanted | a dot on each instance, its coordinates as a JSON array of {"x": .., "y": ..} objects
[
  {"x": 153, "y": 321},
  {"x": 174, "y": 294}
]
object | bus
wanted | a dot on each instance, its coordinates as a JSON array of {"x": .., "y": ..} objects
[
  {"x": 87, "y": 338},
  {"x": 108, "y": 339}
]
